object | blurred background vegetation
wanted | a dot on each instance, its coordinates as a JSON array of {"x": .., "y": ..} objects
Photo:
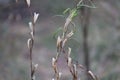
[{"x": 103, "y": 40}]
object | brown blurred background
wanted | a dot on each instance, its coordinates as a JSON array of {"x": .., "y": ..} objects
[{"x": 103, "y": 39}]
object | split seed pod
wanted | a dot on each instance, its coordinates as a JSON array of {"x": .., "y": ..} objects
[
  {"x": 35, "y": 17},
  {"x": 28, "y": 2}
]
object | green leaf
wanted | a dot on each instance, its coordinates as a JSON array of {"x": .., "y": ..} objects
[
  {"x": 74, "y": 13},
  {"x": 66, "y": 10}
]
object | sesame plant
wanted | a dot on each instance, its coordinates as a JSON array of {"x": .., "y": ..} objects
[
  {"x": 30, "y": 41},
  {"x": 61, "y": 47}
]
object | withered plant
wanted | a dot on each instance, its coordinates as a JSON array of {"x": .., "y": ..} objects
[
  {"x": 61, "y": 44},
  {"x": 30, "y": 41}
]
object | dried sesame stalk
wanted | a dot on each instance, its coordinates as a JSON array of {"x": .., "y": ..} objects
[
  {"x": 61, "y": 41},
  {"x": 31, "y": 41}
]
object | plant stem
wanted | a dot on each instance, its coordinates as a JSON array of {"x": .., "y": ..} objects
[{"x": 31, "y": 64}]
